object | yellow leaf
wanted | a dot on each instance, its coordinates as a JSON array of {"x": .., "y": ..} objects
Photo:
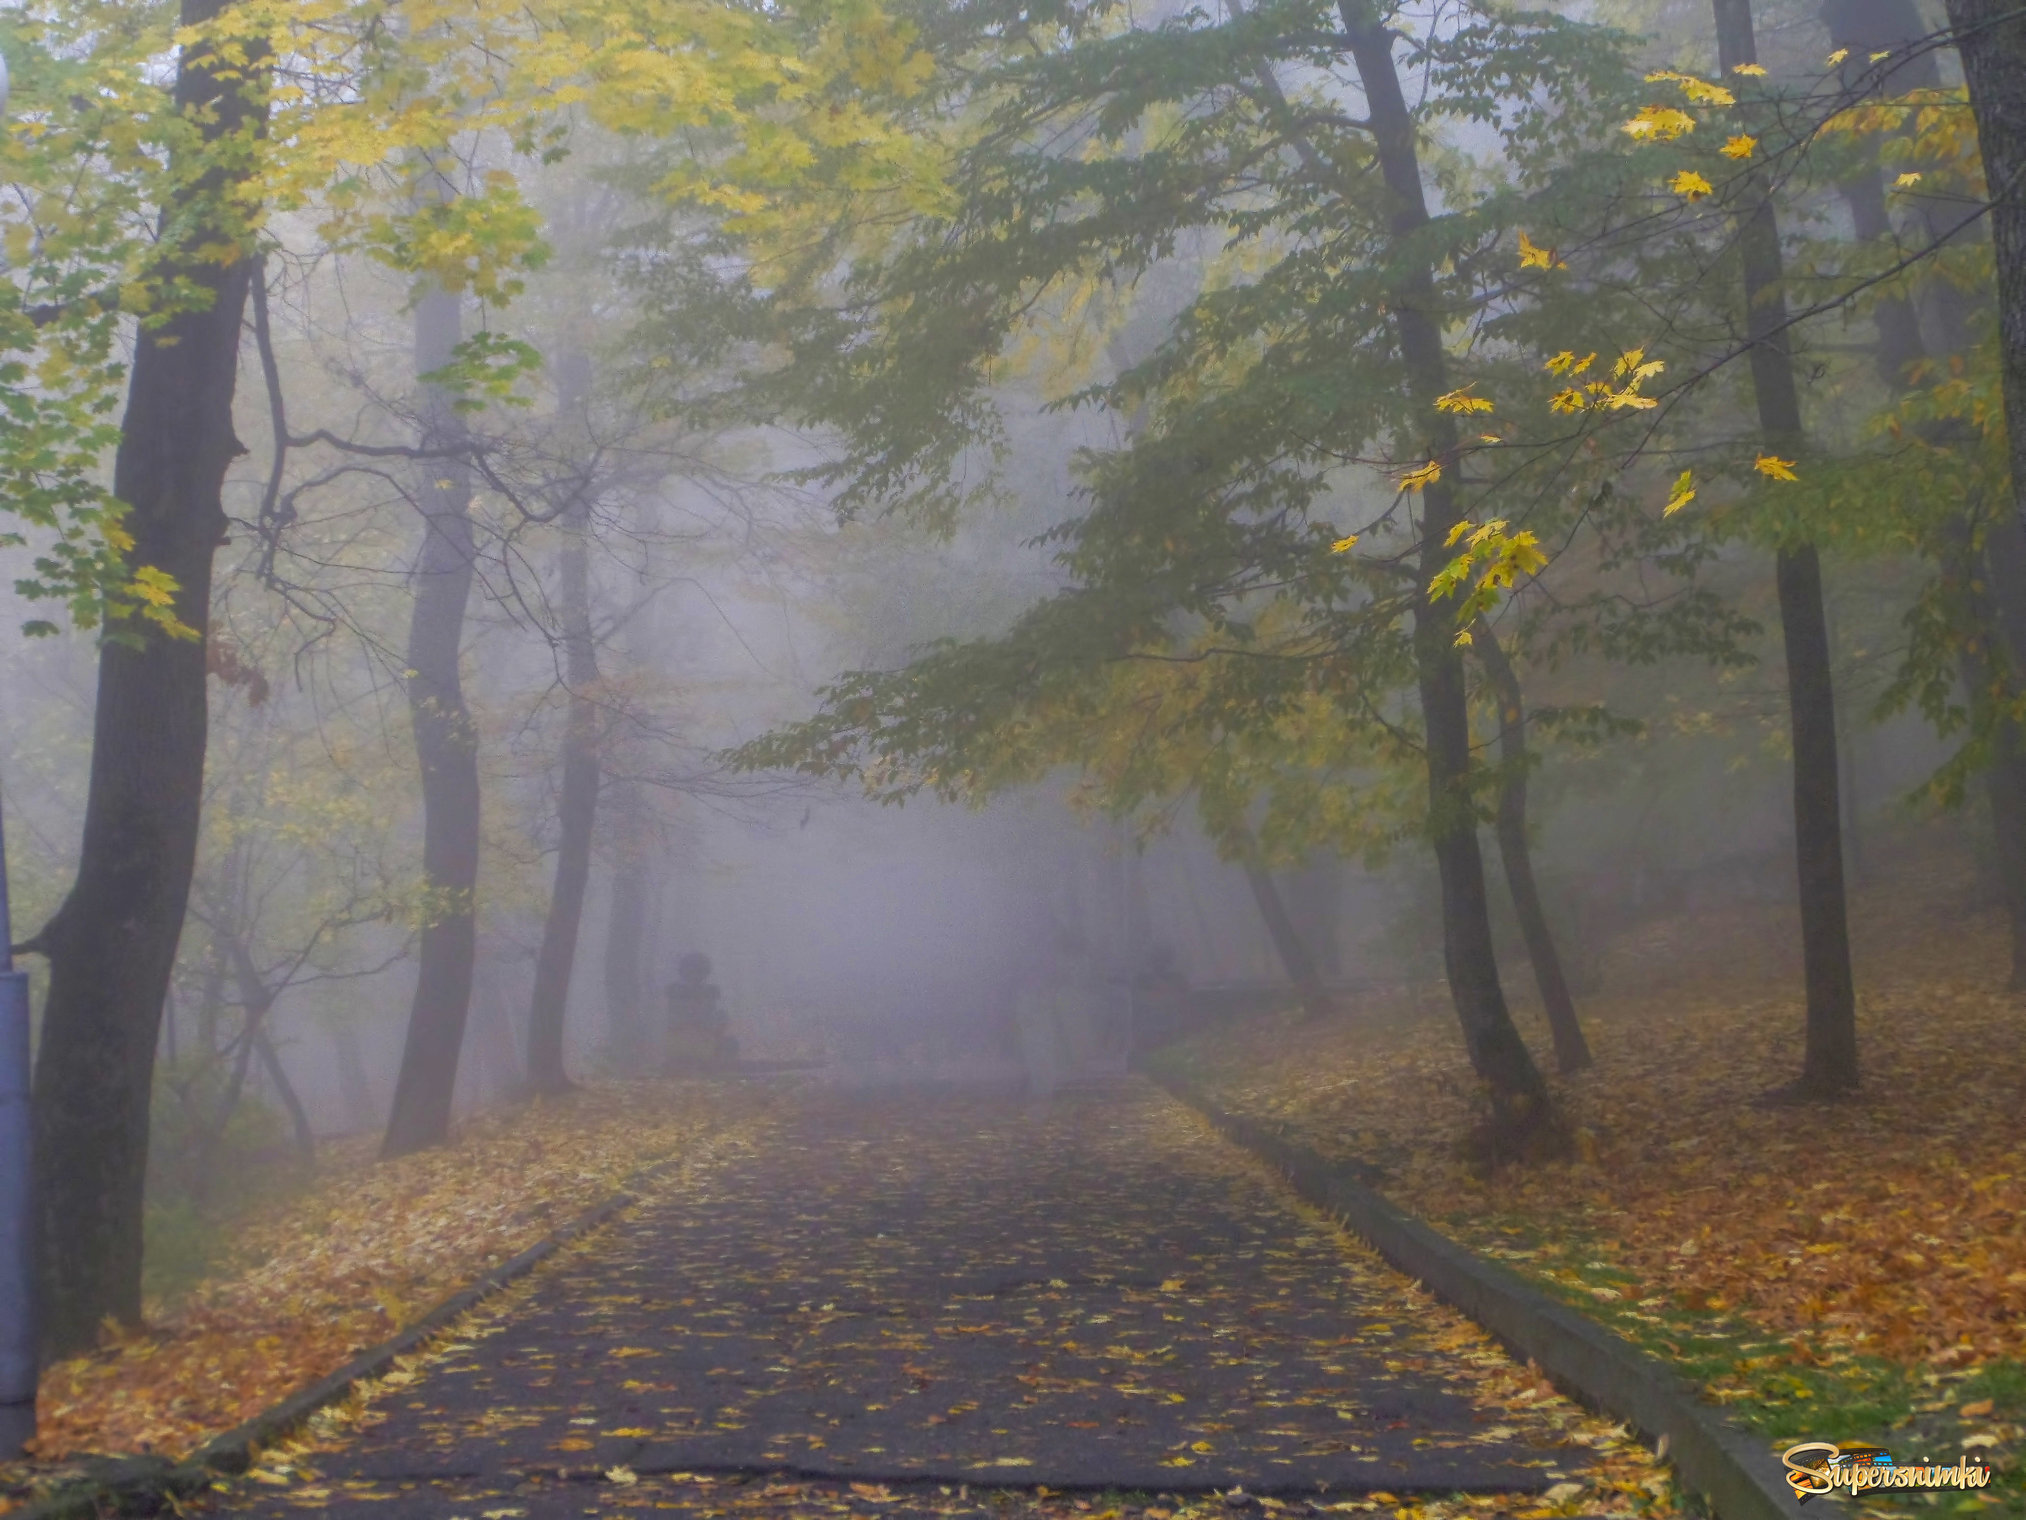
[
  {"x": 1533, "y": 256},
  {"x": 1701, "y": 91},
  {"x": 1689, "y": 185},
  {"x": 1775, "y": 469},
  {"x": 1174, "y": 1284},
  {"x": 1571, "y": 400},
  {"x": 1199, "y": 1446},
  {"x": 1740, "y": 146},
  {"x": 1682, "y": 494},
  {"x": 1566, "y": 361},
  {"x": 1456, "y": 533},
  {"x": 1463, "y": 639},
  {"x": 1427, "y": 475},
  {"x": 1752, "y": 70},
  {"x": 1972, "y": 1411},
  {"x": 1906, "y": 181},
  {"x": 1343, "y": 545},
  {"x": 1461, "y": 402},
  {"x": 1659, "y": 124},
  {"x": 625, "y": 1477},
  {"x": 1837, "y": 57}
]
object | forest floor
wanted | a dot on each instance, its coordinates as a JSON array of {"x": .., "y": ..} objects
[
  {"x": 962, "y": 1305},
  {"x": 309, "y": 1279},
  {"x": 1852, "y": 1271}
]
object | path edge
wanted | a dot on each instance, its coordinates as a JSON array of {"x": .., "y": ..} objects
[
  {"x": 147, "y": 1485},
  {"x": 1738, "y": 1477}
]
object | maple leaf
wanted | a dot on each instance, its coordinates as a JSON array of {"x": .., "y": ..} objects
[
  {"x": 1699, "y": 91},
  {"x": 1659, "y": 124},
  {"x": 1750, "y": 70},
  {"x": 1774, "y": 468},
  {"x": 1426, "y": 475},
  {"x": 1739, "y": 146},
  {"x": 1682, "y": 494},
  {"x": 1907, "y": 180},
  {"x": 1566, "y": 362},
  {"x": 1837, "y": 57},
  {"x": 1533, "y": 256},
  {"x": 1690, "y": 185},
  {"x": 625, "y": 1477},
  {"x": 1570, "y": 400},
  {"x": 1461, "y": 402}
]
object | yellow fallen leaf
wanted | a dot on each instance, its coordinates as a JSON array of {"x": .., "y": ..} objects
[
  {"x": 625, "y": 1477},
  {"x": 1972, "y": 1411}
]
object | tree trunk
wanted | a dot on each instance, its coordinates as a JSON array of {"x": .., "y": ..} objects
[
  {"x": 1287, "y": 943},
  {"x": 112, "y": 945},
  {"x": 1829, "y": 1061},
  {"x": 626, "y": 933},
  {"x": 1497, "y": 1053},
  {"x": 446, "y": 748},
  {"x": 298, "y": 1116},
  {"x": 577, "y": 804},
  {"x": 1991, "y": 37},
  {"x": 1572, "y": 1051}
]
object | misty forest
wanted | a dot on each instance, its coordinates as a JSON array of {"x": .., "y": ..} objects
[{"x": 1115, "y": 758}]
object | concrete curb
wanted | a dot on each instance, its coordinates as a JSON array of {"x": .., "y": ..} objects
[
  {"x": 1735, "y": 1473},
  {"x": 146, "y": 1485}
]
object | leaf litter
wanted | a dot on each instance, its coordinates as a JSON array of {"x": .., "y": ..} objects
[
  {"x": 1850, "y": 1263},
  {"x": 498, "y": 1395},
  {"x": 313, "y": 1279}
]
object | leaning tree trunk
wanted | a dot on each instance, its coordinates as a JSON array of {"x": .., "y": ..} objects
[
  {"x": 577, "y": 804},
  {"x": 1287, "y": 941},
  {"x": 626, "y": 932},
  {"x": 1572, "y": 1051},
  {"x": 447, "y": 750},
  {"x": 112, "y": 945},
  {"x": 1829, "y": 1060},
  {"x": 1497, "y": 1053}
]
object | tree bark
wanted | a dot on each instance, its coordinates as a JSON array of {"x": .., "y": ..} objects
[
  {"x": 298, "y": 1116},
  {"x": 112, "y": 944},
  {"x": 1572, "y": 1051},
  {"x": 577, "y": 803},
  {"x": 1287, "y": 942},
  {"x": 626, "y": 934},
  {"x": 446, "y": 749},
  {"x": 1497, "y": 1053},
  {"x": 1829, "y": 1059}
]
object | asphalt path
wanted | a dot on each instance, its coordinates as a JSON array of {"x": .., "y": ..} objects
[{"x": 928, "y": 1303}]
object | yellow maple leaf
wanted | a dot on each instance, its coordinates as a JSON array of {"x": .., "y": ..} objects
[
  {"x": 1690, "y": 186},
  {"x": 1701, "y": 91},
  {"x": 1343, "y": 545},
  {"x": 1659, "y": 124},
  {"x": 1775, "y": 469},
  {"x": 1907, "y": 180},
  {"x": 1427, "y": 475},
  {"x": 1739, "y": 146},
  {"x": 1682, "y": 494},
  {"x": 1570, "y": 400},
  {"x": 1567, "y": 362},
  {"x": 1837, "y": 57},
  {"x": 625, "y": 1477},
  {"x": 1534, "y": 256},
  {"x": 1751, "y": 70},
  {"x": 1461, "y": 402}
]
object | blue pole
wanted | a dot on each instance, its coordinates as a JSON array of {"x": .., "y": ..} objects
[{"x": 18, "y": 1349}]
